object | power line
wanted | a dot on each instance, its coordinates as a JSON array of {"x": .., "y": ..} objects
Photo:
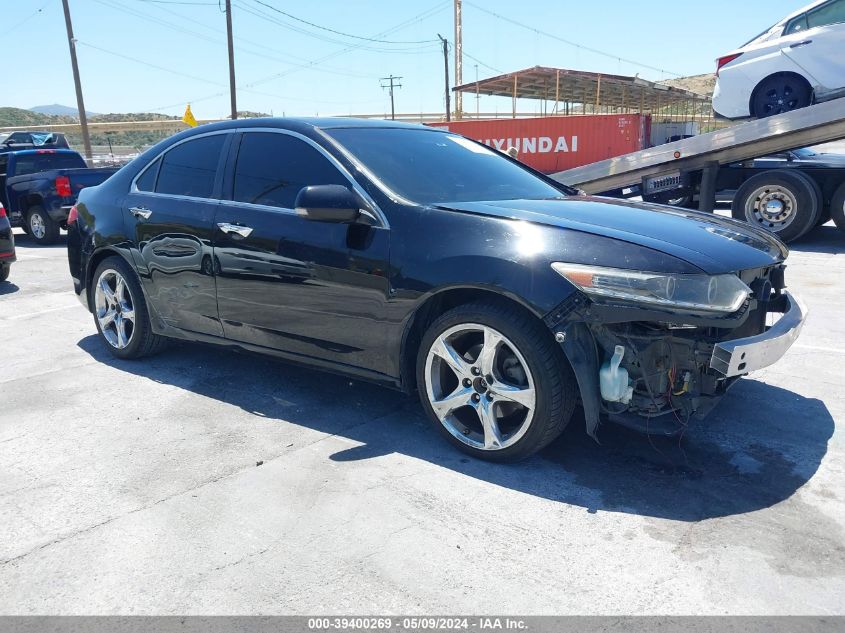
[
  {"x": 423, "y": 15},
  {"x": 569, "y": 42},
  {"x": 481, "y": 63},
  {"x": 325, "y": 28},
  {"x": 413, "y": 20},
  {"x": 179, "y": 2},
  {"x": 148, "y": 64},
  {"x": 412, "y": 50},
  {"x": 112, "y": 4},
  {"x": 204, "y": 80},
  {"x": 28, "y": 18}
]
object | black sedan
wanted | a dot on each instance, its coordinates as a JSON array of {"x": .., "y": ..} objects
[
  {"x": 425, "y": 261},
  {"x": 7, "y": 245}
]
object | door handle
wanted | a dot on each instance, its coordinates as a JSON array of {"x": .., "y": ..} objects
[
  {"x": 797, "y": 44},
  {"x": 243, "y": 231},
  {"x": 140, "y": 212}
]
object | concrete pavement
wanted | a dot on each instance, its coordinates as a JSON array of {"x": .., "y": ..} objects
[{"x": 134, "y": 487}]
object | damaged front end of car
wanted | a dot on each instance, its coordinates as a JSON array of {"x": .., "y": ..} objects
[{"x": 651, "y": 351}]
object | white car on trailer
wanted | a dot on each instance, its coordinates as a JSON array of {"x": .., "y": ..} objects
[{"x": 798, "y": 61}]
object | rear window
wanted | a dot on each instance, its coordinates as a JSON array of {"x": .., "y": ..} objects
[
  {"x": 189, "y": 169},
  {"x": 34, "y": 163}
]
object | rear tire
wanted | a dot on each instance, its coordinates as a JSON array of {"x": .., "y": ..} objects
[
  {"x": 41, "y": 227},
  {"x": 501, "y": 386},
  {"x": 120, "y": 311},
  {"x": 837, "y": 207},
  {"x": 784, "y": 202},
  {"x": 4, "y": 271},
  {"x": 780, "y": 93}
]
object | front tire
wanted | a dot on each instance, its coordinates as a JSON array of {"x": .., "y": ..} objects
[
  {"x": 494, "y": 382},
  {"x": 41, "y": 227},
  {"x": 4, "y": 271},
  {"x": 784, "y": 202},
  {"x": 120, "y": 311},
  {"x": 779, "y": 94}
]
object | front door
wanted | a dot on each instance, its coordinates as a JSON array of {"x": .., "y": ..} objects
[
  {"x": 315, "y": 289},
  {"x": 170, "y": 210},
  {"x": 817, "y": 44}
]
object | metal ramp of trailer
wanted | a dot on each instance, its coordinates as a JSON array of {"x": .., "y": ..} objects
[{"x": 813, "y": 125}]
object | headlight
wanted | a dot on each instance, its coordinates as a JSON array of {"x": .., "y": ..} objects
[{"x": 705, "y": 293}]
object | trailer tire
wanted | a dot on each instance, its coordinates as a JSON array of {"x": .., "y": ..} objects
[
  {"x": 782, "y": 201},
  {"x": 837, "y": 207}
]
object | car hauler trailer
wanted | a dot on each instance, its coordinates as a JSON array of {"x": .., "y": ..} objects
[{"x": 786, "y": 201}]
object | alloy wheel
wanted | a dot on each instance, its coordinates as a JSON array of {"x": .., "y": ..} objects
[
  {"x": 36, "y": 226},
  {"x": 115, "y": 308},
  {"x": 480, "y": 387}
]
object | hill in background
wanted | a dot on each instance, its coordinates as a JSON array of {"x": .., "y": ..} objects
[
  {"x": 699, "y": 84},
  {"x": 57, "y": 109},
  {"x": 19, "y": 117},
  {"x": 28, "y": 120}
]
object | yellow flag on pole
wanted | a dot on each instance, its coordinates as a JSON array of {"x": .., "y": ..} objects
[{"x": 188, "y": 117}]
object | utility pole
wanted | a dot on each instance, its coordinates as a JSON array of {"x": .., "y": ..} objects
[
  {"x": 391, "y": 85},
  {"x": 459, "y": 60},
  {"x": 446, "y": 70},
  {"x": 232, "y": 95},
  {"x": 477, "y": 96},
  {"x": 80, "y": 103}
]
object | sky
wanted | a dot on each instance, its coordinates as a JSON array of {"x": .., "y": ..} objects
[{"x": 327, "y": 56}]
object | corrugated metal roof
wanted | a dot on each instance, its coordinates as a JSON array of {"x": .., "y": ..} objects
[{"x": 582, "y": 87}]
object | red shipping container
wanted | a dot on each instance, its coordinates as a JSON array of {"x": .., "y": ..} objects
[{"x": 552, "y": 144}]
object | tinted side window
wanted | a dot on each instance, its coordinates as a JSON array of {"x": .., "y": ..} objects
[
  {"x": 147, "y": 180},
  {"x": 272, "y": 169},
  {"x": 830, "y": 13},
  {"x": 189, "y": 169},
  {"x": 796, "y": 25}
]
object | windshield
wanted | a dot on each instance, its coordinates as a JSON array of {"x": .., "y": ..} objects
[
  {"x": 804, "y": 152},
  {"x": 429, "y": 167}
]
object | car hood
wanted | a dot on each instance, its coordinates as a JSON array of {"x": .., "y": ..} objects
[
  {"x": 709, "y": 242},
  {"x": 832, "y": 160}
]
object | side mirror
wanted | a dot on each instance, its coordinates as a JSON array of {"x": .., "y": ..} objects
[{"x": 327, "y": 203}]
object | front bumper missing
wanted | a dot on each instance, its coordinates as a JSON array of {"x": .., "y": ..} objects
[{"x": 734, "y": 358}]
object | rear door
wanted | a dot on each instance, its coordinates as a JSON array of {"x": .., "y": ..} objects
[
  {"x": 317, "y": 289},
  {"x": 170, "y": 212},
  {"x": 815, "y": 41}
]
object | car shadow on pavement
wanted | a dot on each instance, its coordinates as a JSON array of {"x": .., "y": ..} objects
[
  {"x": 24, "y": 240},
  {"x": 759, "y": 446},
  {"x": 822, "y": 239}
]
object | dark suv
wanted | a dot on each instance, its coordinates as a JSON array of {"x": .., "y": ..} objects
[{"x": 423, "y": 260}]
